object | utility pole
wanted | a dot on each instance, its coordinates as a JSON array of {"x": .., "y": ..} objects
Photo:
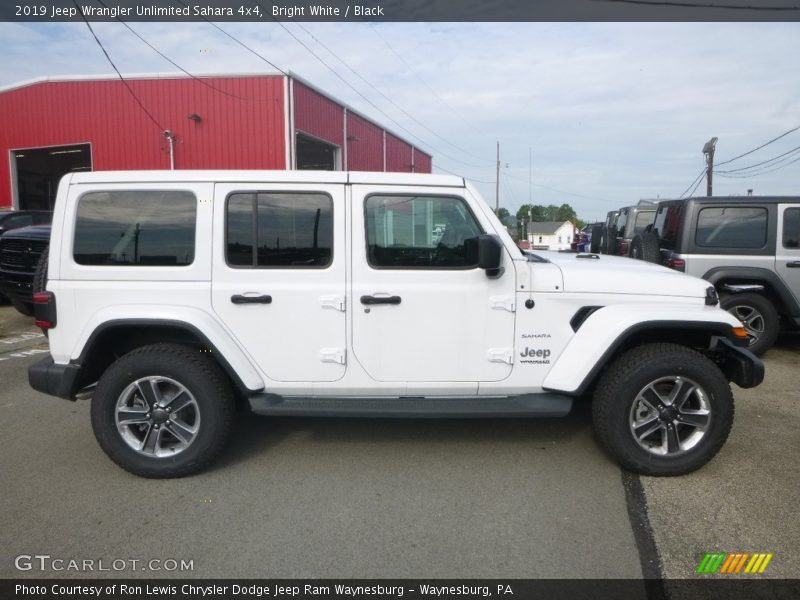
[
  {"x": 708, "y": 150},
  {"x": 497, "y": 183}
]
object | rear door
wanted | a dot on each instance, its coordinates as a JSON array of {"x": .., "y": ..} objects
[
  {"x": 422, "y": 309},
  {"x": 787, "y": 254},
  {"x": 279, "y": 276}
]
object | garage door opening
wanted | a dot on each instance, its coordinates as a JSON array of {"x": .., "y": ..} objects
[
  {"x": 316, "y": 154},
  {"x": 37, "y": 171}
]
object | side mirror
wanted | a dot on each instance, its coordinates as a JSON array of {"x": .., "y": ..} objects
[{"x": 490, "y": 254}]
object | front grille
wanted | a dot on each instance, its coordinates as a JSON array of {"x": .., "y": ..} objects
[{"x": 20, "y": 255}]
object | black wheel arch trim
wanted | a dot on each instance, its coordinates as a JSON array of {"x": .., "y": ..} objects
[
  {"x": 174, "y": 324},
  {"x": 716, "y": 330},
  {"x": 757, "y": 275}
]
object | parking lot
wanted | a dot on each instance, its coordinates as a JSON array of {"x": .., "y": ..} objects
[{"x": 315, "y": 498}]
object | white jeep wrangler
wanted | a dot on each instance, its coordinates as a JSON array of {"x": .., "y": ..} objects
[{"x": 173, "y": 298}]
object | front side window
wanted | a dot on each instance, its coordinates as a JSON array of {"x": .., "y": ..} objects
[
  {"x": 279, "y": 230},
  {"x": 732, "y": 227},
  {"x": 791, "y": 228},
  {"x": 136, "y": 228},
  {"x": 421, "y": 232}
]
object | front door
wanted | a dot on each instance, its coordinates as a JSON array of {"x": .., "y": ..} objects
[
  {"x": 279, "y": 276},
  {"x": 422, "y": 310}
]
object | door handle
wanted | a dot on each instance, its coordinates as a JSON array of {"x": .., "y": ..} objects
[
  {"x": 380, "y": 299},
  {"x": 795, "y": 264},
  {"x": 240, "y": 299}
]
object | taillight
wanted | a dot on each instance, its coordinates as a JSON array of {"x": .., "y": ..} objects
[
  {"x": 677, "y": 263},
  {"x": 44, "y": 309},
  {"x": 623, "y": 248}
]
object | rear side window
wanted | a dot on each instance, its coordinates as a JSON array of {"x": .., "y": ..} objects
[
  {"x": 791, "y": 228},
  {"x": 643, "y": 219},
  {"x": 732, "y": 227},
  {"x": 667, "y": 225},
  {"x": 136, "y": 228},
  {"x": 277, "y": 229}
]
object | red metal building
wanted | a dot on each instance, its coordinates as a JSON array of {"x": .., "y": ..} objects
[{"x": 53, "y": 126}]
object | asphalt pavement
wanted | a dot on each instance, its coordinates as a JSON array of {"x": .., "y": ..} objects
[{"x": 317, "y": 498}]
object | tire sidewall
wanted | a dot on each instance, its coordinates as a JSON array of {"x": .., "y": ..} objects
[
  {"x": 720, "y": 401},
  {"x": 131, "y": 368}
]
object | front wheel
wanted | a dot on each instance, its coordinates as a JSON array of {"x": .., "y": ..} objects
[
  {"x": 663, "y": 409},
  {"x": 162, "y": 411}
]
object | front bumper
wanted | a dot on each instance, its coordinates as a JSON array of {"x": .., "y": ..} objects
[
  {"x": 740, "y": 366},
  {"x": 56, "y": 380}
]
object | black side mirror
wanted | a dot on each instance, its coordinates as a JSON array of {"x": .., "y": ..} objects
[{"x": 490, "y": 254}]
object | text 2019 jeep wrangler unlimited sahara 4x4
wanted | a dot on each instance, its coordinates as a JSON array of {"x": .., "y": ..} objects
[{"x": 370, "y": 294}]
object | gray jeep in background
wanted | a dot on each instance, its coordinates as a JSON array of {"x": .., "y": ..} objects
[{"x": 746, "y": 246}]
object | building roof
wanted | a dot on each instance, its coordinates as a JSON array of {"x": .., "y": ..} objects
[
  {"x": 546, "y": 227},
  {"x": 137, "y": 76}
]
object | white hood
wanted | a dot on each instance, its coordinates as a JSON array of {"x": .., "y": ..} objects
[{"x": 619, "y": 275}]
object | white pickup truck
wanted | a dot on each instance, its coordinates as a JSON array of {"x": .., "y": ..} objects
[{"x": 174, "y": 298}]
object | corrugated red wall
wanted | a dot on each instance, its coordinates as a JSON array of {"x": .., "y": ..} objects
[
  {"x": 317, "y": 115},
  {"x": 242, "y": 122},
  {"x": 364, "y": 144},
  {"x": 398, "y": 155},
  {"x": 422, "y": 162}
]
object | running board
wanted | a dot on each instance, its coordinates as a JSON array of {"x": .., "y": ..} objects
[{"x": 528, "y": 405}]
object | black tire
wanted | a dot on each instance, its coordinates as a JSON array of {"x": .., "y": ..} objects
[
  {"x": 26, "y": 308},
  {"x": 603, "y": 240},
  {"x": 210, "y": 413},
  {"x": 597, "y": 232},
  {"x": 671, "y": 447},
  {"x": 611, "y": 241},
  {"x": 644, "y": 246},
  {"x": 40, "y": 274},
  {"x": 759, "y": 317}
]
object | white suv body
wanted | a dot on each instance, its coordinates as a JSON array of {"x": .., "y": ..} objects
[{"x": 340, "y": 293}]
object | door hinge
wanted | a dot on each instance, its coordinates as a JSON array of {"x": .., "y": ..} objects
[
  {"x": 500, "y": 355},
  {"x": 334, "y": 302},
  {"x": 333, "y": 355},
  {"x": 503, "y": 302}
]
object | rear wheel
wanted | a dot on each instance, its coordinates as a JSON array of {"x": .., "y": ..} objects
[
  {"x": 40, "y": 274},
  {"x": 610, "y": 241},
  {"x": 663, "y": 409},
  {"x": 163, "y": 411},
  {"x": 759, "y": 317}
]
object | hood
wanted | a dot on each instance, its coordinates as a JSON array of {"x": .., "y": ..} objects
[
  {"x": 620, "y": 275},
  {"x": 34, "y": 232}
]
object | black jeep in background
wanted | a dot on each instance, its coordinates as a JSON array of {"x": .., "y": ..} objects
[{"x": 21, "y": 252}]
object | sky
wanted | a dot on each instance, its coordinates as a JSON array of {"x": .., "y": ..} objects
[{"x": 610, "y": 112}]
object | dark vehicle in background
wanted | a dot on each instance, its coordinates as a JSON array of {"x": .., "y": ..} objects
[
  {"x": 748, "y": 247},
  {"x": 21, "y": 252},
  {"x": 604, "y": 233},
  {"x": 632, "y": 221},
  {"x": 14, "y": 219}
]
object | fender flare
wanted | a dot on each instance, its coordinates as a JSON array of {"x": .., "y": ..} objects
[
  {"x": 759, "y": 275},
  {"x": 233, "y": 360},
  {"x": 591, "y": 348}
]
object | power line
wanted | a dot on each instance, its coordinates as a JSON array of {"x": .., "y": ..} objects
[
  {"x": 696, "y": 185},
  {"x": 696, "y": 180},
  {"x": 387, "y": 98},
  {"x": 173, "y": 63},
  {"x": 362, "y": 96},
  {"x": 725, "y": 162},
  {"x": 770, "y": 169},
  {"x": 701, "y": 5},
  {"x": 764, "y": 162},
  {"x": 116, "y": 70},
  {"x": 408, "y": 67},
  {"x": 558, "y": 191},
  {"x": 241, "y": 43}
]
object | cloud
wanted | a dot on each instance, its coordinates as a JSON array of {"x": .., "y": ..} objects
[{"x": 615, "y": 112}]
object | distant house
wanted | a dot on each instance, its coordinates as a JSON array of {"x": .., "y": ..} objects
[{"x": 550, "y": 235}]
